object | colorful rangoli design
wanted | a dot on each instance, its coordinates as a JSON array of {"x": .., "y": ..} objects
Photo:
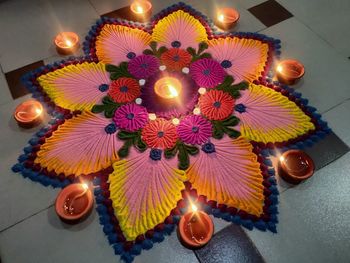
[{"x": 148, "y": 156}]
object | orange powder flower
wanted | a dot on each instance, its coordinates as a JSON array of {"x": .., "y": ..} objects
[
  {"x": 216, "y": 105},
  {"x": 159, "y": 134},
  {"x": 176, "y": 59},
  {"x": 124, "y": 90}
]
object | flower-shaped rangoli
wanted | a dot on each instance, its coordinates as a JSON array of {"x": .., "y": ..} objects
[{"x": 150, "y": 146}]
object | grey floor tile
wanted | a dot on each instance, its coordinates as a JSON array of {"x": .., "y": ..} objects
[
  {"x": 327, "y": 150},
  {"x": 231, "y": 244},
  {"x": 329, "y": 19},
  {"x": 313, "y": 220},
  {"x": 338, "y": 119},
  {"x": 170, "y": 250},
  {"x": 29, "y": 27},
  {"x": 327, "y": 78},
  {"x": 5, "y": 95},
  {"x": 219, "y": 224},
  {"x": 43, "y": 238},
  {"x": 19, "y": 197}
]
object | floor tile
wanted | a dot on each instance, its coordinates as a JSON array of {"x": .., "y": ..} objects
[
  {"x": 313, "y": 220},
  {"x": 5, "y": 94},
  {"x": 326, "y": 80},
  {"x": 13, "y": 79},
  {"x": 327, "y": 150},
  {"x": 44, "y": 238},
  {"x": 29, "y": 27},
  {"x": 270, "y": 13},
  {"x": 231, "y": 244},
  {"x": 219, "y": 224},
  {"x": 329, "y": 19},
  {"x": 338, "y": 119},
  {"x": 247, "y": 21},
  {"x": 322, "y": 153},
  {"x": 170, "y": 250},
  {"x": 20, "y": 197}
]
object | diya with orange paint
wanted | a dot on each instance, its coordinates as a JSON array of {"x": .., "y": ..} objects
[
  {"x": 295, "y": 166},
  {"x": 66, "y": 43},
  {"x": 74, "y": 202},
  {"x": 28, "y": 114},
  {"x": 195, "y": 228},
  {"x": 226, "y": 18},
  {"x": 290, "y": 71},
  {"x": 142, "y": 9}
]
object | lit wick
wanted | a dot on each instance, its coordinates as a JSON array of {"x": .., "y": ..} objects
[
  {"x": 139, "y": 9},
  {"x": 69, "y": 43},
  {"x": 168, "y": 88}
]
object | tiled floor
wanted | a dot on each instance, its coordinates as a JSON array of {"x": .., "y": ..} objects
[{"x": 314, "y": 216}]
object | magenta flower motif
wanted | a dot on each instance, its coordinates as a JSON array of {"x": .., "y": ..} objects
[
  {"x": 131, "y": 117},
  {"x": 207, "y": 72},
  {"x": 143, "y": 66},
  {"x": 194, "y": 129}
]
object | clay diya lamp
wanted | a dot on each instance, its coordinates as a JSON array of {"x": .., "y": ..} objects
[
  {"x": 195, "y": 229},
  {"x": 226, "y": 18},
  {"x": 66, "y": 43},
  {"x": 74, "y": 203},
  {"x": 28, "y": 114},
  {"x": 141, "y": 10},
  {"x": 295, "y": 166},
  {"x": 289, "y": 71}
]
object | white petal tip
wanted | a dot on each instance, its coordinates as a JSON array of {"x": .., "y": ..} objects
[{"x": 186, "y": 70}]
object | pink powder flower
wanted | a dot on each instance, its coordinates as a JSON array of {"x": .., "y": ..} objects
[
  {"x": 131, "y": 117},
  {"x": 194, "y": 129},
  {"x": 207, "y": 72},
  {"x": 143, "y": 66}
]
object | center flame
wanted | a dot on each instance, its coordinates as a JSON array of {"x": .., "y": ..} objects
[{"x": 168, "y": 87}]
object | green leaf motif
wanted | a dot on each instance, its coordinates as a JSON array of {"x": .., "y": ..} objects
[
  {"x": 201, "y": 47},
  {"x": 230, "y": 121},
  {"x": 98, "y": 108}
]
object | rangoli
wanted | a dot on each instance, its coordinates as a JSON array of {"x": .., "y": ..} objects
[{"x": 207, "y": 137}]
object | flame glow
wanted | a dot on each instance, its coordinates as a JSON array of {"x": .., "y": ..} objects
[
  {"x": 194, "y": 208},
  {"x": 139, "y": 9},
  {"x": 221, "y": 17},
  {"x": 68, "y": 43},
  {"x": 279, "y": 68}
]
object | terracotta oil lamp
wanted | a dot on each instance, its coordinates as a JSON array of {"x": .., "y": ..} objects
[
  {"x": 28, "y": 114},
  {"x": 74, "y": 202},
  {"x": 289, "y": 71},
  {"x": 195, "y": 228},
  {"x": 226, "y": 18},
  {"x": 168, "y": 88},
  {"x": 66, "y": 43},
  {"x": 141, "y": 9},
  {"x": 295, "y": 166}
]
